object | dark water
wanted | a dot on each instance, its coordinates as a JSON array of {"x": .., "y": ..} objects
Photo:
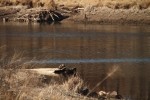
[{"x": 94, "y": 49}]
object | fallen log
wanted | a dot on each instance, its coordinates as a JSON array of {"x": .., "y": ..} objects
[{"x": 44, "y": 71}]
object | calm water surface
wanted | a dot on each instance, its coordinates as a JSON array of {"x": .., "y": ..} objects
[{"x": 94, "y": 49}]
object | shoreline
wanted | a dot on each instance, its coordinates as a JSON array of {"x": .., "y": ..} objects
[
  {"x": 104, "y": 15},
  {"x": 90, "y": 15}
]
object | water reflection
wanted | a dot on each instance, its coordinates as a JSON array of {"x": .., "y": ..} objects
[
  {"x": 93, "y": 49},
  {"x": 76, "y": 61}
]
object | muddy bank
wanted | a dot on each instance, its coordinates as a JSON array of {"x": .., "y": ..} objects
[
  {"x": 75, "y": 13},
  {"x": 105, "y": 15}
]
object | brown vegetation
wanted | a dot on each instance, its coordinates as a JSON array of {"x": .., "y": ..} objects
[
  {"x": 22, "y": 85},
  {"x": 125, "y": 4},
  {"x": 16, "y": 83},
  {"x": 30, "y": 3},
  {"x": 117, "y": 4}
]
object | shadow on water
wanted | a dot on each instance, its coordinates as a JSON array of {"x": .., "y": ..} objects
[{"x": 93, "y": 49}]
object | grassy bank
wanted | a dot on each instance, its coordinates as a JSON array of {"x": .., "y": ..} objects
[
  {"x": 18, "y": 84},
  {"x": 25, "y": 86}
]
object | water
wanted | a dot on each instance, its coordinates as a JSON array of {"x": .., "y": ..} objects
[{"x": 93, "y": 49}]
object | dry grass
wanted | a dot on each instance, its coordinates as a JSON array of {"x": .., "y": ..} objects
[
  {"x": 22, "y": 86},
  {"x": 19, "y": 87},
  {"x": 51, "y": 4},
  {"x": 117, "y": 4},
  {"x": 30, "y": 3},
  {"x": 125, "y": 4},
  {"x": 16, "y": 83}
]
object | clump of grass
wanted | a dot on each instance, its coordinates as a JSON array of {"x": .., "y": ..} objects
[
  {"x": 65, "y": 91},
  {"x": 9, "y": 67},
  {"x": 30, "y": 3},
  {"x": 5, "y": 3},
  {"x": 117, "y": 5},
  {"x": 74, "y": 84},
  {"x": 144, "y": 5},
  {"x": 50, "y": 4},
  {"x": 125, "y": 4}
]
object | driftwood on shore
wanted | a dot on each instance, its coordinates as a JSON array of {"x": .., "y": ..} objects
[
  {"x": 40, "y": 16},
  {"x": 37, "y": 14}
]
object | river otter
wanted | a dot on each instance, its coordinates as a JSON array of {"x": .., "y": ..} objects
[
  {"x": 65, "y": 71},
  {"x": 69, "y": 72},
  {"x": 60, "y": 71}
]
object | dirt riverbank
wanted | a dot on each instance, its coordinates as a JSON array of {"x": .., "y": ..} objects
[
  {"x": 96, "y": 12},
  {"x": 105, "y": 15}
]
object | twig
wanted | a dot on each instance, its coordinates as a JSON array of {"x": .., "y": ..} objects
[{"x": 99, "y": 83}]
